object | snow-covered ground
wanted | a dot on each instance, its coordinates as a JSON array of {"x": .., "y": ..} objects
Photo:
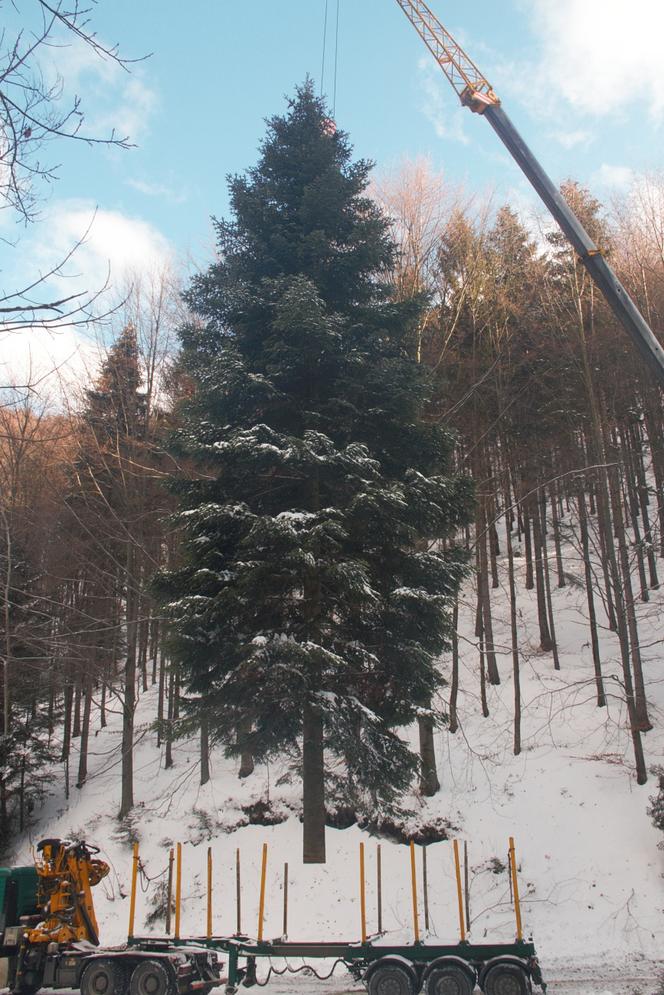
[{"x": 591, "y": 873}]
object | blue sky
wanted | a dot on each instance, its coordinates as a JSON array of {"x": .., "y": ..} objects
[{"x": 583, "y": 79}]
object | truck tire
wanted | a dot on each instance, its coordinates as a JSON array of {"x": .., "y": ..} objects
[
  {"x": 506, "y": 979},
  {"x": 449, "y": 980},
  {"x": 390, "y": 979},
  {"x": 150, "y": 977},
  {"x": 103, "y": 977}
]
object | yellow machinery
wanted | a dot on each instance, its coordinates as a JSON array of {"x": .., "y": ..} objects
[{"x": 67, "y": 871}]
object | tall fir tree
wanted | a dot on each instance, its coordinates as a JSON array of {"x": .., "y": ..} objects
[
  {"x": 309, "y": 609},
  {"x": 107, "y": 508}
]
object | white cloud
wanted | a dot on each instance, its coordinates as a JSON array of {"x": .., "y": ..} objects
[
  {"x": 112, "y": 98},
  {"x": 613, "y": 177},
  {"x": 160, "y": 190},
  {"x": 54, "y": 363},
  {"x": 572, "y": 139},
  {"x": 115, "y": 249},
  {"x": 113, "y": 244},
  {"x": 439, "y": 103},
  {"x": 602, "y": 56},
  {"x": 130, "y": 116}
]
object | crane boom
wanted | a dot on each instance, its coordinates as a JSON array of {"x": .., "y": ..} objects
[{"x": 476, "y": 93}]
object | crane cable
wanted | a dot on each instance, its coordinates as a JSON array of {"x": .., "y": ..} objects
[
  {"x": 322, "y": 68},
  {"x": 336, "y": 63},
  {"x": 336, "y": 54}
]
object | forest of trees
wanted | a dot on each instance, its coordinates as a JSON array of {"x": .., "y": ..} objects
[{"x": 145, "y": 537}]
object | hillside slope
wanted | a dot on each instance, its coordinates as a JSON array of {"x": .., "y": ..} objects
[{"x": 590, "y": 868}]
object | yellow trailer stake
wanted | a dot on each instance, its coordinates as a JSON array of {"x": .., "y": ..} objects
[
  {"x": 132, "y": 901},
  {"x": 209, "y": 892},
  {"x": 515, "y": 887},
  {"x": 457, "y": 865},
  {"x": 261, "y": 905},
  {"x": 363, "y": 896},
  {"x": 178, "y": 890},
  {"x": 413, "y": 878}
]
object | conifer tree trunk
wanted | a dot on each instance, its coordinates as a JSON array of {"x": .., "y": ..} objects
[
  {"x": 631, "y": 502},
  {"x": 168, "y": 736},
  {"x": 313, "y": 757},
  {"x": 555, "y": 518},
  {"x": 85, "y": 729},
  {"x": 154, "y": 647},
  {"x": 454, "y": 684},
  {"x": 143, "y": 631},
  {"x": 655, "y": 427},
  {"x": 429, "y": 783},
  {"x": 246, "y": 756},
  {"x": 627, "y": 597},
  {"x": 76, "y": 728},
  {"x": 51, "y": 699},
  {"x": 160, "y": 694},
  {"x": 205, "y": 749},
  {"x": 485, "y": 598},
  {"x": 102, "y": 700},
  {"x": 530, "y": 579},
  {"x": 313, "y": 791},
  {"x": 591, "y": 500},
  {"x": 480, "y": 636},
  {"x": 549, "y": 603},
  {"x": 129, "y": 697},
  {"x": 516, "y": 672},
  {"x": 596, "y": 443},
  {"x": 546, "y": 642},
  {"x": 644, "y": 504},
  {"x": 66, "y": 725},
  {"x": 606, "y": 568},
  {"x": 592, "y": 616},
  {"x": 494, "y": 549}
]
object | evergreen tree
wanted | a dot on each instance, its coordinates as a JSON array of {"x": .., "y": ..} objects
[
  {"x": 108, "y": 503},
  {"x": 310, "y": 608}
]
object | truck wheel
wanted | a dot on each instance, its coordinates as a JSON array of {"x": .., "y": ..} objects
[
  {"x": 506, "y": 979},
  {"x": 150, "y": 977},
  {"x": 103, "y": 977},
  {"x": 449, "y": 981},
  {"x": 390, "y": 980}
]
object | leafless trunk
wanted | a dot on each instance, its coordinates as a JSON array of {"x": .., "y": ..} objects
[
  {"x": 555, "y": 518},
  {"x": 516, "y": 672},
  {"x": 485, "y": 598},
  {"x": 546, "y": 642},
  {"x": 592, "y": 617},
  {"x": 85, "y": 728},
  {"x": 454, "y": 685},
  {"x": 168, "y": 735},
  {"x": 129, "y": 696}
]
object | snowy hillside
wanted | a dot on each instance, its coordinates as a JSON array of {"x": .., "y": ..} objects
[{"x": 591, "y": 873}]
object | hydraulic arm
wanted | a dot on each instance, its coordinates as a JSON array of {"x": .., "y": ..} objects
[
  {"x": 67, "y": 872},
  {"x": 475, "y": 92}
]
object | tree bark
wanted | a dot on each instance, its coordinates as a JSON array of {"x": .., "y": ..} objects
[
  {"x": 556, "y": 537},
  {"x": 313, "y": 793},
  {"x": 85, "y": 729},
  {"x": 454, "y": 685},
  {"x": 546, "y": 642},
  {"x": 429, "y": 783},
  {"x": 592, "y": 616},
  {"x": 246, "y": 756},
  {"x": 205, "y": 749},
  {"x": 485, "y": 598},
  {"x": 516, "y": 672},
  {"x": 129, "y": 697}
]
